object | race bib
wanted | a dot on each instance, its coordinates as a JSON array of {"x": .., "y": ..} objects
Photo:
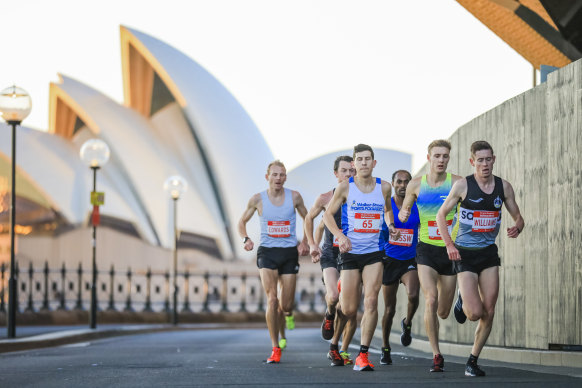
[
  {"x": 433, "y": 230},
  {"x": 405, "y": 239},
  {"x": 279, "y": 228},
  {"x": 367, "y": 222},
  {"x": 484, "y": 221}
]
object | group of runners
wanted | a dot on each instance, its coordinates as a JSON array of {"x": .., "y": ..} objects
[{"x": 433, "y": 230}]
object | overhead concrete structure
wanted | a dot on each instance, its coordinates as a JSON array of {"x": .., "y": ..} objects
[{"x": 544, "y": 32}]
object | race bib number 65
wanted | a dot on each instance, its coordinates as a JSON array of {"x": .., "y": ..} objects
[{"x": 367, "y": 222}]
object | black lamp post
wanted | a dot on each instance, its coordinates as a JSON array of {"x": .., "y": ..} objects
[
  {"x": 175, "y": 186},
  {"x": 94, "y": 153},
  {"x": 15, "y": 106}
]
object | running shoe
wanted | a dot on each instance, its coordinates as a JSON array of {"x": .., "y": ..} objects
[
  {"x": 473, "y": 370},
  {"x": 346, "y": 356},
  {"x": 386, "y": 359},
  {"x": 290, "y": 322},
  {"x": 458, "y": 310},
  {"x": 327, "y": 327},
  {"x": 275, "y": 356},
  {"x": 283, "y": 343},
  {"x": 405, "y": 337},
  {"x": 362, "y": 363},
  {"x": 438, "y": 364},
  {"x": 336, "y": 359}
]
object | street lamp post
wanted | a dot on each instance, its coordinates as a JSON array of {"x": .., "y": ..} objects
[
  {"x": 15, "y": 106},
  {"x": 94, "y": 153},
  {"x": 175, "y": 186}
]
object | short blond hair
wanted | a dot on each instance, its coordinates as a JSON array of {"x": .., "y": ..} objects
[
  {"x": 276, "y": 162},
  {"x": 439, "y": 143}
]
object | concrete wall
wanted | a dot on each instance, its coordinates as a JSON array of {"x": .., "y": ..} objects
[{"x": 537, "y": 137}]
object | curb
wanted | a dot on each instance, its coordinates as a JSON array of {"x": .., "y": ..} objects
[{"x": 493, "y": 353}]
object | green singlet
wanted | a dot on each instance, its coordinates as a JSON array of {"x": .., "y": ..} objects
[{"x": 429, "y": 201}]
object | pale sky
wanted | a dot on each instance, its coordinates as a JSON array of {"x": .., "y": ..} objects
[{"x": 315, "y": 75}]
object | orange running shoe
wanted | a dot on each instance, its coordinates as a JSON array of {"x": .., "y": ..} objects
[
  {"x": 275, "y": 356},
  {"x": 362, "y": 363}
]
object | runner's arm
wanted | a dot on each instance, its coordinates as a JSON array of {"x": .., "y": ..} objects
[
  {"x": 246, "y": 216},
  {"x": 458, "y": 192},
  {"x": 303, "y": 247},
  {"x": 388, "y": 214},
  {"x": 339, "y": 197},
  {"x": 513, "y": 210},
  {"x": 311, "y": 215},
  {"x": 409, "y": 199},
  {"x": 318, "y": 236}
]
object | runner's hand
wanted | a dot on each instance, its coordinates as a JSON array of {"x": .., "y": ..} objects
[
  {"x": 404, "y": 214},
  {"x": 453, "y": 253},
  {"x": 249, "y": 245},
  {"x": 315, "y": 252},
  {"x": 513, "y": 232},
  {"x": 394, "y": 232},
  {"x": 303, "y": 249},
  {"x": 345, "y": 245}
]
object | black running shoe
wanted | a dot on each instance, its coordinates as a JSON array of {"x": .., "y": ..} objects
[
  {"x": 336, "y": 359},
  {"x": 438, "y": 364},
  {"x": 405, "y": 337},
  {"x": 473, "y": 370},
  {"x": 327, "y": 327},
  {"x": 458, "y": 310},
  {"x": 386, "y": 359}
]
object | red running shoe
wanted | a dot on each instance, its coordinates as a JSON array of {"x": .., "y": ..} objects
[
  {"x": 275, "y": 356},
  {"x": 362, "y": 363}
]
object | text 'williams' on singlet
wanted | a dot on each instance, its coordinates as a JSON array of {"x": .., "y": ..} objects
[
  {"x": 405, "y": 247},
  {"x": 362, "y": 218},
  {"x": 429, "y": 201},
  {"x": 278, "y": 222},
  {"x": 480, "y": 215}
]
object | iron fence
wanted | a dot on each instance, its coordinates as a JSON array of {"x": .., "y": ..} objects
[{"x": 46, "y": 289}]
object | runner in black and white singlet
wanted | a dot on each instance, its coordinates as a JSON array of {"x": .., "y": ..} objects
[
  {"x": 400, "y": 267},
  {"x": 474, "y": 252},
  {"x": 277, "y": 256},
  {"x": 364, "y": 200},
  {"x": 327, "y": 257}
]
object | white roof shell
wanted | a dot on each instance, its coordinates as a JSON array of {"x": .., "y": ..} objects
[{"x": 228, "y": 138}]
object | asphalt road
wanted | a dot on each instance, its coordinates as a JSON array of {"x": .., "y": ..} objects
[{"x": 235, "y": 358}]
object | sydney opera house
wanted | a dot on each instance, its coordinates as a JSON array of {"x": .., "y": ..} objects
[{"x": 176, "y": 119}]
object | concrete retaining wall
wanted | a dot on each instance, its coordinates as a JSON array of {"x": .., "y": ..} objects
[{"x": 537, "y": 137}]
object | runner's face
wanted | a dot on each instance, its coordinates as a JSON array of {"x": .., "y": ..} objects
[
  {"x": 344, "y": 171},
  {"x": 400, "y": 182},
  {"x": 438, "y": 159},
  {"x": 364, "y": 164},
  {"x": 276, "y": 177},
  {"x": 483, "y": 162}
]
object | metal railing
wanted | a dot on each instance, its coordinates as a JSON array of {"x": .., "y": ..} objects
[{"x": 46, "y": 289}]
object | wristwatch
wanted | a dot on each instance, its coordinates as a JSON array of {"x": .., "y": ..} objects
[{"x": 247, "y": 238}]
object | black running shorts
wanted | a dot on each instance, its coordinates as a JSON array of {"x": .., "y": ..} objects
[
  {"x": 353, "y": 261},
  {"x": 328, "y": 258},
  {"x": 394, "y": 269},
  {"x": 435, "y": 257},
  {"x": 286, "y": 260},
  {"x": 476, "y": 260}
]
